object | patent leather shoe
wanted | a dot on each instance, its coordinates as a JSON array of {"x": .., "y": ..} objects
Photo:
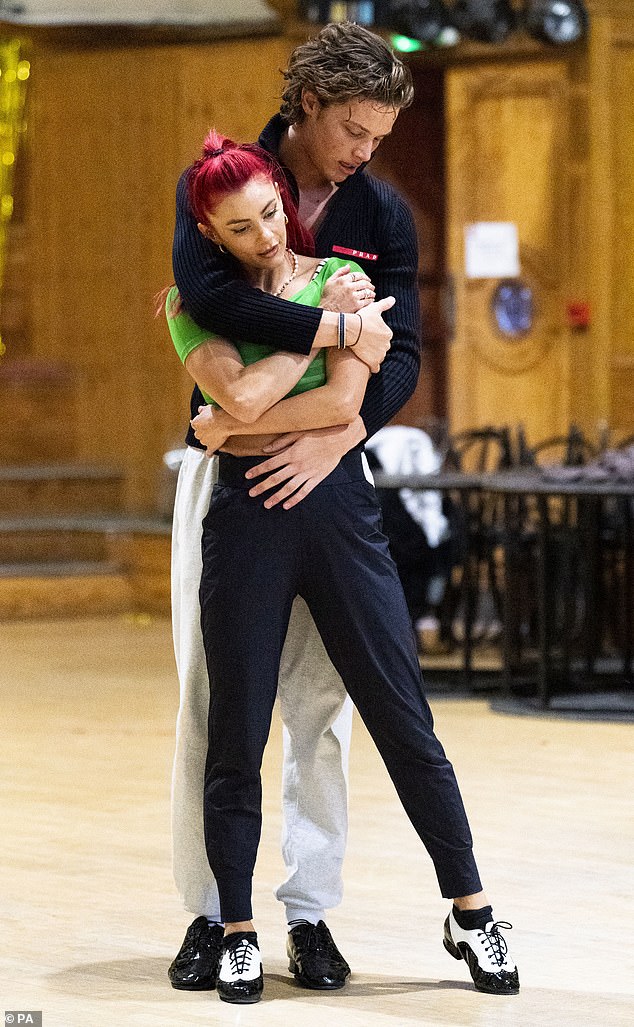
[
  {"x": 240, "y": 977},
  {"x": 195, "y": 967},
  {"x": 314, "y": 959},
  {"x": 486, "y": 953}
]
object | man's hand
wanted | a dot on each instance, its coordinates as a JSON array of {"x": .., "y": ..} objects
[
  {"x": 210, "y": 428},
  {"x": 347, "y": 291},
  {"x": 374, "y": 341},
  {"x": 302, "y": 460}
]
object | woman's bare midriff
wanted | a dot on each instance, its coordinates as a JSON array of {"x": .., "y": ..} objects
[{"x": 247, "y": 445}]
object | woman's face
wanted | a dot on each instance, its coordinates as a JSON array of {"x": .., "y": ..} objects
[{"x": 250, "y": 225}]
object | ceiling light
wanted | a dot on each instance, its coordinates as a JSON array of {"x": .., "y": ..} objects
[
  {"x": 556, "y": 21},
  {"x": 426, "y": 20},
  {"x": 488, "y": 21}
]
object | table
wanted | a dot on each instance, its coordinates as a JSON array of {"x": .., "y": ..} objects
[
  {"x": 581, "y": 501},
  {"x": 581, "y": 504}
]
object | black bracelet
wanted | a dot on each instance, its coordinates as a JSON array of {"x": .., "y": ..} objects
[
  {"x": 341, "y": 332},
  {"x": 351, "y": 345}
]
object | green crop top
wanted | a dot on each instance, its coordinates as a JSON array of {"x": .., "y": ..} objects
[{"x": 187, "y": 335}]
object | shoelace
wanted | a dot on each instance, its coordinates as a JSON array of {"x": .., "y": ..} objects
[
  {"x": 240, "y": 956},
  {"x": 495, "y": 944},
  {"x": 317, "y": 942},
  {"x": 194, "y": 942},
  {"x": 326, "y": 944}
]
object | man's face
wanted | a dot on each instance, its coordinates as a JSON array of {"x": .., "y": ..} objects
[{"x": 338, "y": 138}]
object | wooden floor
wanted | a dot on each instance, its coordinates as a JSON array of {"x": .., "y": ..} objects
[{"x": 90, "y": 918}]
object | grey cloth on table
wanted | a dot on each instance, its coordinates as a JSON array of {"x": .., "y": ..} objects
[{"x": 612, "y": 465}]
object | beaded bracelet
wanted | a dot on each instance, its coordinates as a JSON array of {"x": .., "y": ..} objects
[{"x": 341, "y": 332}]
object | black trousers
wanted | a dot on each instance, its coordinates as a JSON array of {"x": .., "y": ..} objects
[{"x": 330, "y": 550}]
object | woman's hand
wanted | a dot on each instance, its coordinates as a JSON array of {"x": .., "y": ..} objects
[
  {"x": 347, "y": 291},
  {"x": 210, "y": 428}
]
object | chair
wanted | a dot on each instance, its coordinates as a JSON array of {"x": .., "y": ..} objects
[
  {"x": 556, "y": 522},
  {"x": 610, "y": 596},
  {"x": 571, "y": 449},
  {"x": 625, "y": 443},
  {"x": 480, "y": 527}
]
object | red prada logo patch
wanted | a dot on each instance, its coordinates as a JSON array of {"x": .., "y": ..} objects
[{"x": 355, "y": 253}]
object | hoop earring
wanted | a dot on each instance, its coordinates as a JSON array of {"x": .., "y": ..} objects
[
  {"x": 286, "y": 219},
  {"x": 221, "y": 248}
]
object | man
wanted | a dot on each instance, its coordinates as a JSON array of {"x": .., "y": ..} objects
[{"x": 343, "y": 92}]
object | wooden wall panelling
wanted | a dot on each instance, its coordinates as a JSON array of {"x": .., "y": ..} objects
[
  {"x": 412, "y": 158},
  {"x": 15, "y": 304},
  {"x": 622, "y": 285},
  {"x": 600, "y": 214},
  {"x": 235, "y": 87},
  {"x": 112, "y": 129},
  {"x": 584, "y": 407},
  {"x": 507, "y": 156},
  {"x": 99, "y": 200},
  {"x": 611, "y": 57},
  {"x": 622, "y": 181}
]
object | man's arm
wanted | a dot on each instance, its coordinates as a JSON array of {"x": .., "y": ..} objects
[
  {"x": 220, "y": 301},
  {"x": 311, "y": 456},
  {"x": 396, "y": 275}
]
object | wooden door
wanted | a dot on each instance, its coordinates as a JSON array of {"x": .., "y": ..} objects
[
  {"x": 507, "y": 141},
  {"x": 611, "y": 217},
  {"x": 413, "y": 159}
]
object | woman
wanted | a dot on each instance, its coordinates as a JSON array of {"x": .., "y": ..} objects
[{"x": 329, "y": 549}]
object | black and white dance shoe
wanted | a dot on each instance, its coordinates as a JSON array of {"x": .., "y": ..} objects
[
  {"x": 195, "y": 967},
  {"x": 240, "y": 977},
  {"x": 486, "y": 954},
  {"x": 313, "y": 957}
]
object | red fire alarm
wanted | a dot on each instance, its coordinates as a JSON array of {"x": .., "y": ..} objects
[{"x": 578, "y": 314}]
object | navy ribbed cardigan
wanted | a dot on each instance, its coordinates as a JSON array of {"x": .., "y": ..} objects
[{"x": 365, "y": 215}]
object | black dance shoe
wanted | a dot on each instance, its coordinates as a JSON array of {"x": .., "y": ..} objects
[
  {"x": 486, "y": 954},
  {"x": 195, "y": 968},
  {"x": 314, "y": 958},
  {"x": 240, "y": 977}
]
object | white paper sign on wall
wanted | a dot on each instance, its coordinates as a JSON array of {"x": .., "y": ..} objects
[{"x": 492, "y": 250}]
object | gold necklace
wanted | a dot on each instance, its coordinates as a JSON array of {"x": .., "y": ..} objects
[{"x": 293, "y": 273}]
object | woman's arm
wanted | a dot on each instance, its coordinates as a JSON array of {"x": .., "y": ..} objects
[
  {"x": 244, "y": 392},
  {"x": 336, "y": 402}
]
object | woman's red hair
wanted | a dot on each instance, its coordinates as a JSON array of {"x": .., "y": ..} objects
[{"x": 225, "y": 167}]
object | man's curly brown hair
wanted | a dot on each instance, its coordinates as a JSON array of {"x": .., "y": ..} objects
[{"x": 345, "y": 62}]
